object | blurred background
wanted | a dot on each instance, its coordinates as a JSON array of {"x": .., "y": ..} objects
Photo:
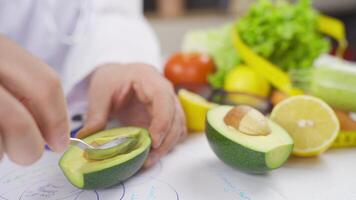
[{"x": 172, "y": 18}]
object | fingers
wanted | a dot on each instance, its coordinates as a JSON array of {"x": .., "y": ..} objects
[
  {"x": 178, "y": 132},
  {"x": 108, "y": 94},
  {"x": 162, "y": 114},
  {"x": 168, "y": 123},
  {"x": 20, "y": 135},
  {"x": 49, "y": 110},
  {"x": 169, "y": 142},
  {"x": 99, "y": 95},
  {"x": 38, "y": 87},
  {"x": 183, "y": 124},
  {"x": 158, "y": 95},
  {"x": 1, "y": 148},
  {"x": 161, "y": 110}
]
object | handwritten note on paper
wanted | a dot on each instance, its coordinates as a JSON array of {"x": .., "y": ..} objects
[
  {"x": 45, "y": 181},
  {"x": 177, "y": 177},
  {"x": 190, "y": 172}
]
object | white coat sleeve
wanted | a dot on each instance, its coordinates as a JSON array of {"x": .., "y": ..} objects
[{"x": 112, "y": 37}]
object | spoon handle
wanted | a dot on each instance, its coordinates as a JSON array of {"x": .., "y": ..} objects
[{"x": 80, "y": 143}]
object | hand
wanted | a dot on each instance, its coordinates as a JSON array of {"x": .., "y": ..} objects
[
  {"x": 138, "y": 95},
  {"x": 32, "y": 106}
]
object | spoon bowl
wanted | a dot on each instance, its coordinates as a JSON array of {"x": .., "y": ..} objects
[{"x": 109, "y": 149}]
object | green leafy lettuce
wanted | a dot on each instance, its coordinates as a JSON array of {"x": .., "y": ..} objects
[{"x": 284, "y": 33}]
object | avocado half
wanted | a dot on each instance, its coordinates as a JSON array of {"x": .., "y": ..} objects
[
  {"x": 254, "y": 154},
  {"x": 94, "y": 174}
]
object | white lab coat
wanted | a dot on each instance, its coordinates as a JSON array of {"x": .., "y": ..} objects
[{"x": 75, "y": 36}]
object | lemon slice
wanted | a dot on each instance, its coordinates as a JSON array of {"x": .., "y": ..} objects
[
  {"x": 195, "y": 108},
  {"x": 311, "y": 123}
]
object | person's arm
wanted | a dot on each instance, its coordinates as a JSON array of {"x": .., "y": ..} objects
[
  {"x": 32, "y": 105},
  {"x": 116, "y": 67},
  {"x": 137, "y": 95}
]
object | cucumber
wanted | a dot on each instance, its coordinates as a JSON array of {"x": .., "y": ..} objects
[
  {"x": 336, "y": 85},
  {"x": 254, "y": 154},
  {"x": 85, "y": 173}
]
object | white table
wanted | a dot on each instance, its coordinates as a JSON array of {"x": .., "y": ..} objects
[{"x": 193, "y": 172}]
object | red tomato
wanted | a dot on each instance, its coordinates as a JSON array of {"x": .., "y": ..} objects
[{"x": 188, "y": 68}]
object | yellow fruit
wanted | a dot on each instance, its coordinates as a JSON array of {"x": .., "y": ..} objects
[
  {"x": 195, "y": 108},
  {"x": 311, "y": 123},
  {"x": 336, "y": 29},
  {"x": 278, "y": 78},
  {"x": 345, "y": 139},
  {"x": 245, "y": 79}
]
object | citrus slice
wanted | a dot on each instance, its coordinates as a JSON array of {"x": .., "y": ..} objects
[
  {"x": 311, "y": 123},
  {"x": 195, "y": 108}
]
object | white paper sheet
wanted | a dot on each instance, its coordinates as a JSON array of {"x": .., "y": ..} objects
[{"x": 193, "y": 172}]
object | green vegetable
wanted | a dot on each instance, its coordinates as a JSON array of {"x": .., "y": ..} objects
[
  {"x": 335, "y": 84},
  {"x": 218, "y": 44},
  {"x": 256, "y": 154},
  {"x": 284, "y": 33},
  {"x": 92, "y": 174}
]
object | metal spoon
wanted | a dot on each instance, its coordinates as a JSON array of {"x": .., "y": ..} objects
[{"x": 85, "y": 146}]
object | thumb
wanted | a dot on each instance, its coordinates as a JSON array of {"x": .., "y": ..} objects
[{"x": 99, "y": 99}]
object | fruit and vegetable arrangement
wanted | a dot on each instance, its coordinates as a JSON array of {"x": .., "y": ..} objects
[
  {"x": 274, "y": 89},
  {"x": 261, "y": 88}
]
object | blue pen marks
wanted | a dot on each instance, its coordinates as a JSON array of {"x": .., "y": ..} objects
[
  {"x": 229, "y": 185},
  {"x": 41, "y": 183},
  {"x": 152, "y": 193},
  {"x": 134, "y": 196},
  {"x": 57, "y": 190},
  {"x": 46, "y": 182},
  {"x": 87, "y": 195},
  {"x": 22, "y": 176},
  {"x": 145, "y": 175},
  {"x": 123, "y": 191},
  {"x": 154, "y": 189},
  {"x": 231, "y": 188},
  {"x": 47, "y": 190}
]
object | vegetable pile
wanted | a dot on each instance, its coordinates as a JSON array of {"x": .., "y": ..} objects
[
  {"x": 283, "y": 33},
  {"x": 274, "y": 52},
  {"x": 218, "y": 44}
]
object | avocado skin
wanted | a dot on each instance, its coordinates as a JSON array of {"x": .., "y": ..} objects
[
  {"x": 115, "y": 174},
  {"x": 234, "y": 154}
]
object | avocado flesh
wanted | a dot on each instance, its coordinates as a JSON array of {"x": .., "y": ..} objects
[
  {"x": 84, "y": 173},
  {"x": 101, "y": 154},
  {"x": 250, "y": 153}
]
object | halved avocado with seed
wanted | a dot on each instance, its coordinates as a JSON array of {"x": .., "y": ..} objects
[
  {"x": 92, "y": 173},
  {"x": 253, "y": 153}
]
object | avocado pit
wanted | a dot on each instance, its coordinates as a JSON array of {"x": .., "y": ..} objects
[{"x": 247, "y": 120}]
